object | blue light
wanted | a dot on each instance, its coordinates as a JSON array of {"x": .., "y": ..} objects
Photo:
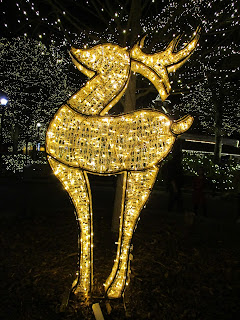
[{"x": 4, "y": 101}]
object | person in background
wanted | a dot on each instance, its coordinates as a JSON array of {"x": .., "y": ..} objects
[
  {"x": 199, "y": 199},
  {"x": 174, "y": 179}
]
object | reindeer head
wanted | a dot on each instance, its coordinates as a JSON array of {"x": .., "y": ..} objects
[
  {"x": 157, "y": 66},
  {"x": 100, "y": 59},
  {"x": 110, "y": 66}
]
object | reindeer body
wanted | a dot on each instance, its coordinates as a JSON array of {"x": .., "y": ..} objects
[
  {"x": 99, "y": 144},
  {"x": 81, "y": 138}
]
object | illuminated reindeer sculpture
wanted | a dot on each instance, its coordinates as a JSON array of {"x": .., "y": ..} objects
[{"x": 83, "y": 139}]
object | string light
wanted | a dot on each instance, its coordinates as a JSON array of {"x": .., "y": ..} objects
[
  {"x": 216, "y": 23},
  {"x": 43, "y": 67},
  {"x": 81, "y": 138}
]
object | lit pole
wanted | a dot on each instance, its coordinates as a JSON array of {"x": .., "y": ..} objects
[
  {"x": 38, "y": 137},
  {"x": 3, "y": 103}
]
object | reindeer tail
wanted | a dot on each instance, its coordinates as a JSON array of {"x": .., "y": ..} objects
[{"x": 182, "y": 125}]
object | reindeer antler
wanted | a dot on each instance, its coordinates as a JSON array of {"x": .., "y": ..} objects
[
  {"x": 156, "y": 66},
  {"x": 175, "y": 60}
]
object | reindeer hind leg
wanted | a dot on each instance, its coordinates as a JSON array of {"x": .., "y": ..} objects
[{"x": 138, "y": 186}]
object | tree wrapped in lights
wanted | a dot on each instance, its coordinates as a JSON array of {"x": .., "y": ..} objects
[
  {"x": 33, "y": 76},
  {"x": 218, "y": 107},
  {"x": 123, "y": 22},
  {"x": 83, "y": 139},
  {"x": 207, "y": 104},
  {"x": 212, "y": 89}
]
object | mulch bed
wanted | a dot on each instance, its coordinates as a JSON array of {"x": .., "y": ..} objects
[{"x": 179, "y": 270}]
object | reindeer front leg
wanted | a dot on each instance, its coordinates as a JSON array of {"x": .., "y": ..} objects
[
  {"x": 75, "y": 181},
  {"x": 136, "y": 190}
]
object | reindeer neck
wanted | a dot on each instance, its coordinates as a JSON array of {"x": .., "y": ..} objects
[{"x": 101, "y": 92}]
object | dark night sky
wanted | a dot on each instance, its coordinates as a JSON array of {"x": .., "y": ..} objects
[{"x": 16, "y": 17}]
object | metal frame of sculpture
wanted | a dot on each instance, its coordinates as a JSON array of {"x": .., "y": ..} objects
[{"x": 83, "y": 139}]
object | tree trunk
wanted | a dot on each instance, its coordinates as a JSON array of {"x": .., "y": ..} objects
[
  {"x": 218, "y": 139},
  {"x": 218, "y": 101},
  {"x": 130, "y": 95},
  {"x": 27, "y": 142},
  {"x": 117, "y": 204},
  {"x": 129, "y": 102},
  {"x": 1, "y": 127},
  {"x": 15, "y": 135}
]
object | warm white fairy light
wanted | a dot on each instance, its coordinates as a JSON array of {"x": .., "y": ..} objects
[
  {"x": 217, "y": 25},
  {"x": 41, "y": 67},
  {"x": 210, "y": 13},
  {"x": 92, "y": 140},
  {"x": 81, "y": 138}
]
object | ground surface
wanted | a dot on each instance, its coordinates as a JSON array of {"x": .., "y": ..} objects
[{"x": 181, "y": 269}]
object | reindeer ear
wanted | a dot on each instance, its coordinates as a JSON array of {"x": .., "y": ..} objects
[{"x": 141, "y": 42}]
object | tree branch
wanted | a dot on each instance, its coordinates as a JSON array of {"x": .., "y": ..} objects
[{"x": 145, "y": 92}]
